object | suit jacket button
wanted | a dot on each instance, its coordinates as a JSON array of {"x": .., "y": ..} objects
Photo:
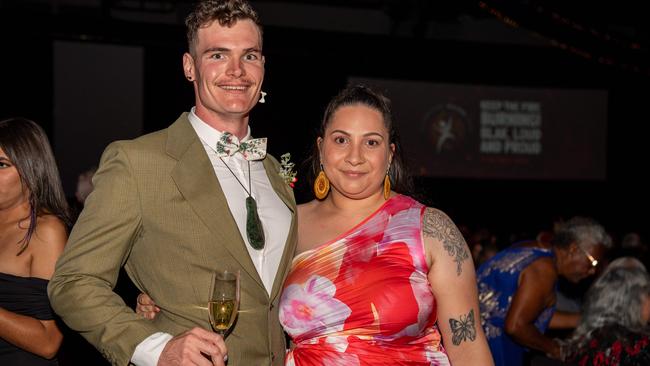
[
  {"x": 272, "y": 356},
  {"x": 271, "y": 306}
]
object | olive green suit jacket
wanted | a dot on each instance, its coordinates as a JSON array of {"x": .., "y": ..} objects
[{"x": 157, "y": 209}]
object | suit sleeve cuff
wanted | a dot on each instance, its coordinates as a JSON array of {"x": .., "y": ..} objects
[{"x": 148, "y": 351}]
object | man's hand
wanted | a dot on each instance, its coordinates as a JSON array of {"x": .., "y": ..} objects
[{"x": 194, "y": 347}]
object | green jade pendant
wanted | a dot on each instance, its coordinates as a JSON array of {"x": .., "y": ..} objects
[{"x": 254, "y": 229}]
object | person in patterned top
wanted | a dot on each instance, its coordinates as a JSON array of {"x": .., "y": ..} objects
[{"x": 614, "y": 329}]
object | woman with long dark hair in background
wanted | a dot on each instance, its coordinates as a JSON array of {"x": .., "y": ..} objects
[{"x": 33, "y": 231}]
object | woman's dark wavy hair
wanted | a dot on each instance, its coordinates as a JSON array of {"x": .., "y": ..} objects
[
  {"x": 400, "y": 179},
  {"x": 27, "y": 147}
]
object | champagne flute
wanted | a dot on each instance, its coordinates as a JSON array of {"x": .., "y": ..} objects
[{"x": 224, "y": 300}]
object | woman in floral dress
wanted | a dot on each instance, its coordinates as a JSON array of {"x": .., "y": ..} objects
[{"x": 378, "y": 278}]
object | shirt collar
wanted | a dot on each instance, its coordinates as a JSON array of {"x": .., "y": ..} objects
[{"x": 208, "y": 134}]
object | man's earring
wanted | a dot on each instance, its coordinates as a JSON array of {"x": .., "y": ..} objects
[{"x": 263, "y": 94}]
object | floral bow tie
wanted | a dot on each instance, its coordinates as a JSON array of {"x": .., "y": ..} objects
[{"x": 229, "y": 145}]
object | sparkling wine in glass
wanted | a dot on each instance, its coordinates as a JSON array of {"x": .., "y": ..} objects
[{"x": 224, "y": 300}]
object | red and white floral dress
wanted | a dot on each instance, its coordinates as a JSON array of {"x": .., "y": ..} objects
[{"x": 364, "y": 297}]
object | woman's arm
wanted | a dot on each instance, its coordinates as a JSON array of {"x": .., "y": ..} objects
[
  {"x": 536, "y": 291},
  {"x": 146, "y": 307},
  {"x": 41, "y": 337},
  {"x": 453, "y": 282},
  {"x": 564, "y": 320}
]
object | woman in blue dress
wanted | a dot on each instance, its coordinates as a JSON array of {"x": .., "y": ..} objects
[{"x": 517, "y": 289}]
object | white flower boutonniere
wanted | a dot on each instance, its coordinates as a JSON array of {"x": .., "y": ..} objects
[{"x": 286, "y": 172}]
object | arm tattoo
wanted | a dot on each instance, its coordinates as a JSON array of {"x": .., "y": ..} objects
[
  {"x": 437, "y": 225},
  {"x": 463, "y": 329}
]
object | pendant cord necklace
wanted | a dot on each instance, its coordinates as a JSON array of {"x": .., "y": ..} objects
[
  {"x": 250, "y": 189},
  {"x": 254, "y": 229}
]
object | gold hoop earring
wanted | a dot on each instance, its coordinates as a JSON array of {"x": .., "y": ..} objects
[
  {"x": 321, "y": 185},
  {"x": 386, "y": 186}
]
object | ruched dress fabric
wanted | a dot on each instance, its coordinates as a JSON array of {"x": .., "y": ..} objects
[
  {"x": 26, "y": 296},
  {"x": 364, "y": 297}
]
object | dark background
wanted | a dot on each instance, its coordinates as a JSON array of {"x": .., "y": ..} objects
[
  {"x": 311, "y": 49},
  {"x": 522, "y": 44}
]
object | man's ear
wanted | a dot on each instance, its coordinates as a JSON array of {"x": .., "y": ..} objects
[{"x": 188, "y": 67}]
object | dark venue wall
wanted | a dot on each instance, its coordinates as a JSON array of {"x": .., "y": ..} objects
[{"x": 306, "y": 64}]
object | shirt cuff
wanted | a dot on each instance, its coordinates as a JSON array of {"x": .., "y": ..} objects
[{"x": 148, "y": 351}]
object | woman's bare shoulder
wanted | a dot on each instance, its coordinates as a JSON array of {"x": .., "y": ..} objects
[
  {"x": 50, "y": 235},
  {"x": 544, "y": 266},
  {"x": 46, "y": 245}
]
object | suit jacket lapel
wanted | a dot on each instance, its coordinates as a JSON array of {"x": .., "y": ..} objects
[
  {"x": 196, "y": 180},
  {"x": 286, "y": 195},
  {"x": 279, "y": 185}
]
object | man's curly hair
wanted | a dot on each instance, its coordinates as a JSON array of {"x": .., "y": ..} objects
[{"x": 226, "y": 12}]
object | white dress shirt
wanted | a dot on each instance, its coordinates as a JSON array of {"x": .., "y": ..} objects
[{"x": 273, "y": 213}]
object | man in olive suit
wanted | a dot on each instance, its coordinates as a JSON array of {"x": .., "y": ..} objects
[{"x": 173, "y": 206}]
